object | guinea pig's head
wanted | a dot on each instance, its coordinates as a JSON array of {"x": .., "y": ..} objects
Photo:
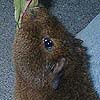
[
  {"x": 52, "y": 45},
  {"x": 41, "y": 45}
]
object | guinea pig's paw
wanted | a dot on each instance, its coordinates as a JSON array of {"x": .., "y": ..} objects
[
  {"x": 57, "y": 73},
  {"x": 56, "y": 67},
  {"x": 56, "y": 81}
]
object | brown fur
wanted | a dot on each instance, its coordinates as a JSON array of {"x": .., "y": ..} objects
[{"x": 29, "y": 56}]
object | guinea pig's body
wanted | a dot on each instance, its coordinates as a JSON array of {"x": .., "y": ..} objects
[{"x": 54, "y": 71}]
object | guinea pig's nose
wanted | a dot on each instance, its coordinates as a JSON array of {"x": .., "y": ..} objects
[{"x": 48, "y": 43}]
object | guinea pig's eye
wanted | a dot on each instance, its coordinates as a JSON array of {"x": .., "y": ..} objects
[{"x": 48, "y": 43}]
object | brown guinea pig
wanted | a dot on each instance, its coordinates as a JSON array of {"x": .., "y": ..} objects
[{"x": 50, "y": 63}]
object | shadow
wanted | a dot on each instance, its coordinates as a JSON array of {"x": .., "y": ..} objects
[{"x": 46, "y": 3}]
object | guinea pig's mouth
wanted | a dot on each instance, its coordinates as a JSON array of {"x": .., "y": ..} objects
[{"x": 56, "y": 70}]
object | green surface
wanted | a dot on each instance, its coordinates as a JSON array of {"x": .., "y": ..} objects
[{"x": 21, "y": 6}]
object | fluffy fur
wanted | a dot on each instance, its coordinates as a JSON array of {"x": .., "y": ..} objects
[{"x": 33, "y": 79}]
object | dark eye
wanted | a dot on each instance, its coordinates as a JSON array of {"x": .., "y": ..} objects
[{"x": 48, "y": 43}]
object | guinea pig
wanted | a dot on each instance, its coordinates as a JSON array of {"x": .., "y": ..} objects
[{"x": 50, "y": 63}]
